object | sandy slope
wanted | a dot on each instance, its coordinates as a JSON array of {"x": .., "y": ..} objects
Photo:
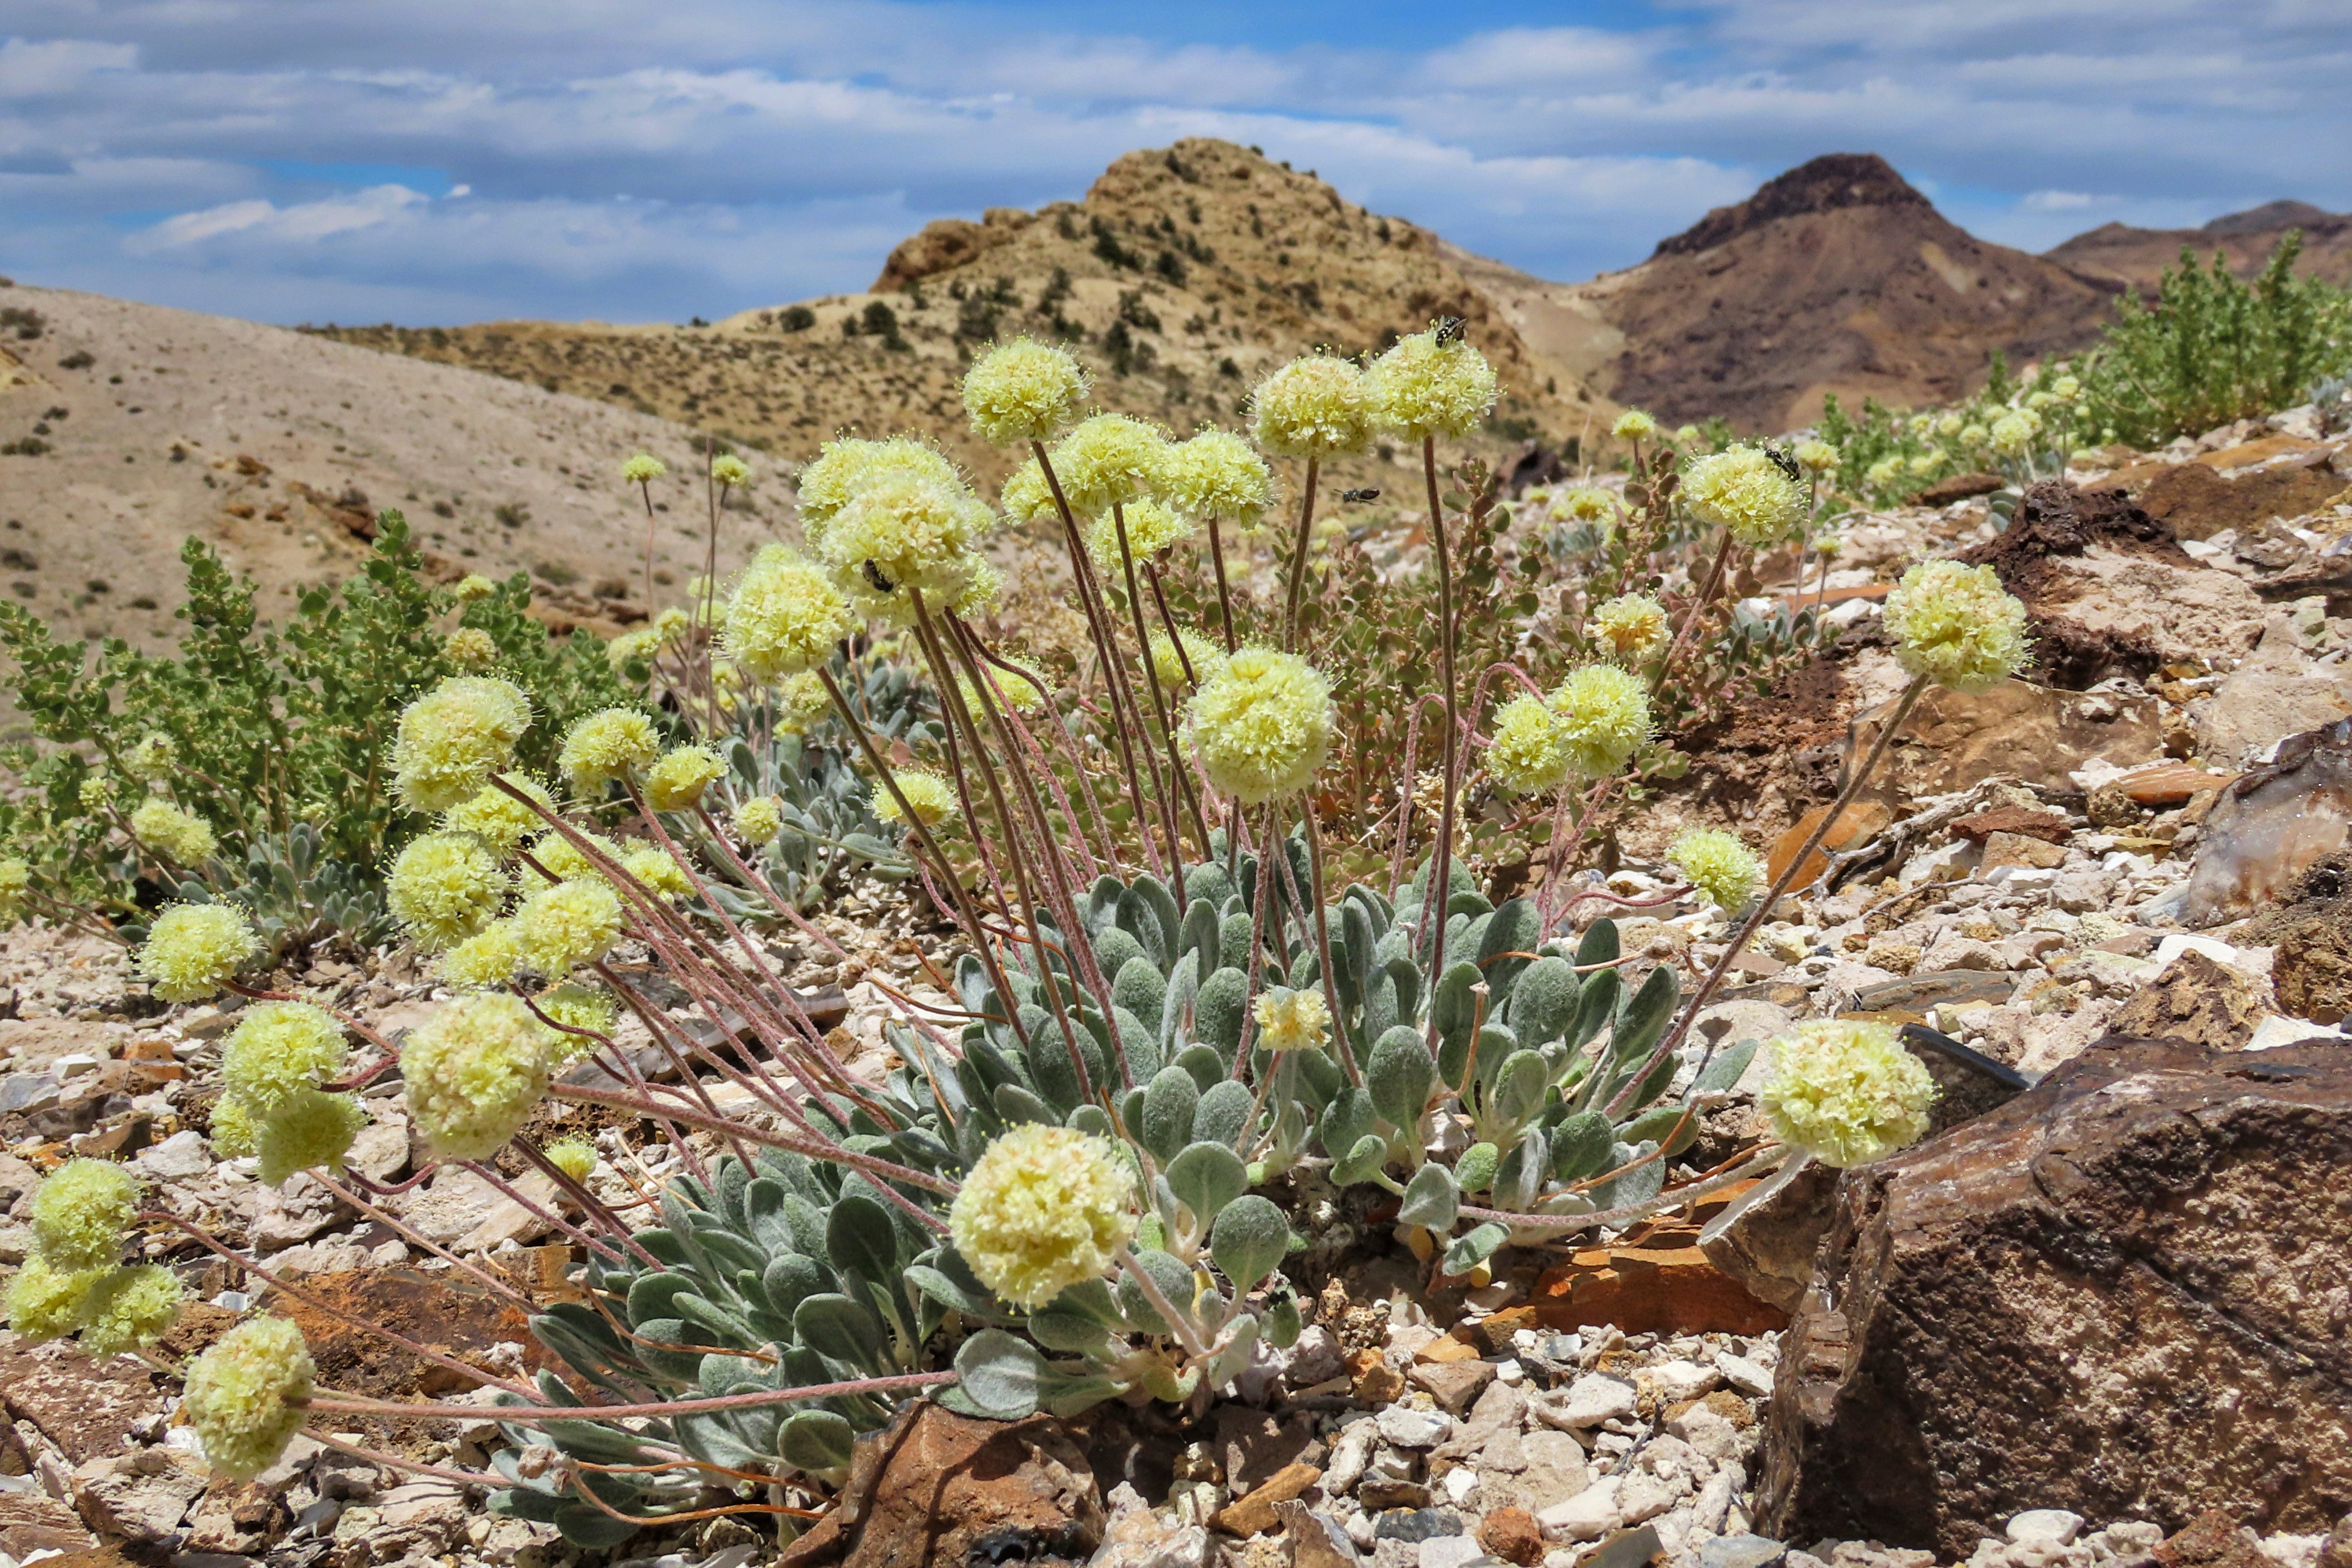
[{"x": 278, "y": 447}]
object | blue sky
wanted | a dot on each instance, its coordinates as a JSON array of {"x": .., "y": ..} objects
[{"x": 426, "y": 160}]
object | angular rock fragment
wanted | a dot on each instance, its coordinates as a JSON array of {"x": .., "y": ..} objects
[{"x": 2122, "y": 1294}]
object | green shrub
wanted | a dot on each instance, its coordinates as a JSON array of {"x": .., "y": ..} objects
[
  {"x": 262, "y": 729},
  {"x": 2212, "y": 349}
]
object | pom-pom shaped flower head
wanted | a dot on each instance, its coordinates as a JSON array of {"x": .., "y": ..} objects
[
  {"x": 1043, "y": 1208},
  {"x": 905, "y": 533},
  {"x": 1109, "y": 461},
  {"x": 562, "y": 860},
  {"x": 1022, "y": 391},
  {"x": 129, "y": 1310},
  {"x": 1741, "y": 489},
  {"x": 572, "y": 923},
  {"x": 245, "y": 1395},
  {"x": 932, "y": 798},
  {"x": 1217, "y": 474},
  {"x": 576, "y": 1006},
  {"x": 1845, "y": 1092},
  {"x": 730, "y": 471},
  {"x": 1527, "y": 756},
  {"x": 1026, "y": 497},
  {"x": 45, "y": 1302},
  {"x": 642, "y": 468},
  {"x": 1314, "y": 406},
  {"x": 1020, "y": 689},
  {"x": 799, "y": 703},
  {"x": 81, "y": 1214},
  {"x": 842, "y": 468},
  {"x": 1603, "y": 714},
  {"x": 1430, "y": 384},
  {"x": 658, "y": 870},
  {"x": 1635, "y": 425},
  {"x": 678, "y": 782},
  {"x": 473, "y": 586},
  {"x": 173, "y": 833},
  {"x": 1631, "y": 627},
  {"x": 1290, "y": 1020},
  {"x": 1260, "y": 724},
  {"x": 1818, "y": 456},
  {"x": 575, "y": 1157},
  {"x": 784, "y": 617},
  {"x": 498, "y": 818},
  {"x": 192, "y": 950},
  {"x": 1588, "y": 505},
  {"x": 488, "y": 958},
  {"x": 1150, "y": 529},
  {"x": 1956, "y": 626},
  {"x": 444, "y": 887},
  {"x": 279, "y": 1049},
  {"x": 153, "y": 760},
  {"x": 1199, "y": 659},
  {"x": 2012, "y": 434},
  {"x": 16, "y": 881},
  {"x": 470, "y": 648},
  {"x": 452, "y": 739},
  {"x": 312, "y": 1131},
  {"x": 759, "y": 819},
  {"x": 606, "y": 747},
  {"x": 475, "y": 1069},
  {"x": 1719, "y": 866}
]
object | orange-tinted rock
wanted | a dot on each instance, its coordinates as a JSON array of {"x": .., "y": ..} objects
[
  {"x": 1254, "y": 1515},
  {"x": 1513, "y": 1535},
  {"x": 1664, "y": 1286},
  {"x": 2049, "y": 827},
  {"x": 1857, "y": 822}
]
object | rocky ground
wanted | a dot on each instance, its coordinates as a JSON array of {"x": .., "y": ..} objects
[{"x": 2119, "y": 888}]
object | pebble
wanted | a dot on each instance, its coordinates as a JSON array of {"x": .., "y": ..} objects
[
  {"x": 1418, "y": 1524},
  {"x": 1588, "y": 1516},
  {"x": 1409, "y": 1428},
  {"x": 1742, "y": 1550},
  {"x": 1751, "y": 1378},
  {"x": 2046, "y": 1524},
  {"x": 1596, "y": 1397},
  {"x": 1450, "y": 1552}
]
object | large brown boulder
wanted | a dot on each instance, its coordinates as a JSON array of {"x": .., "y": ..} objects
[{"x": 2127, "y": 1292}]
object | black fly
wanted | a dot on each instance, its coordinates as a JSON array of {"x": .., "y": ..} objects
[
  {"x": 1360, "y": 494},
  {"x": 874, "y": 575},
  {"x": 1786, "y": 463},
  {"x": 1450, "y": 329}
]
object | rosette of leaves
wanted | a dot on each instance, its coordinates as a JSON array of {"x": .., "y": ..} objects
[
  {"x": 293, "y": 891},
  {"x": 784, "y": 1273}
]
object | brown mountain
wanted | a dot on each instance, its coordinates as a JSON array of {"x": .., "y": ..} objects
[
  {"x": 1184, "y": 275},
  {"x": 2121, "y": 256},
  {"x": 1836, "y": 277}
]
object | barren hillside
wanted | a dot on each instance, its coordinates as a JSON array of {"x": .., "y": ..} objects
[
  {"x": 1834, "y": 277},
  {"x": 2119, "y": 256},
  {"x": 126, "y": 427},
  {"x": 1184, "y": 275}
]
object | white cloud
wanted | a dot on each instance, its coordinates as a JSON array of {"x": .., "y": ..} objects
[
  {"x": 301, "y": 224},
  {"x": 2064, "y": 201},
  {"x": 29, "y": 69}
]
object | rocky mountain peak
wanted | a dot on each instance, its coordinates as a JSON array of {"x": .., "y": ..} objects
[{"x": 1833, "y": 181}]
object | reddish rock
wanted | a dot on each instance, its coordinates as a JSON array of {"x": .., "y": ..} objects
[
  {"x": 1254, "y": 1514},
  {"x": 34, "y": 1521},
  {"x": 2175, "y": 784},
  {"x": 1513, "y": 1535},
  {"x": 2196, "y": 1002},
  {"x": 2049, "y": 827},
  {"x": 1664, "y": 1286},
  {"x": 444, "y": 1312},
  {"x": 85, "y": 1406},
  {"x": 2122, "y": 1294},
  {"x": 935, "y": 1489},
  {"x": 2214, "y": 1539}
]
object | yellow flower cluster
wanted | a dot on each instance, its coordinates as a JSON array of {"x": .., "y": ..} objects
[
  {"x": 607, "y": 746},
  {"x": 497, "y": 818},
  {"x": 246, "y": 1396},
  {"x": 783, "y": 618},
  {"x": 474, "y": 1071},
  {"x": 1314, "y": 406},
  {"x": 1603, "y": 714},
  {"x": 1198, "y": 651},
  {"x": 1631, "y": 627},
  {"x": 453, "y": 737},
  {"x": 759, "y": 819},
  {"x": 1719, "y": 866},
  {"x": 642, "y": 468},
  {"x": 444, "y": 887},
  {"x": 678, "y": 782},
  {"x": 1109, "y": 461},
  {"x": 173, "y": 833},
  {"x": 1845, "y": 1092},
  {"x": 575, "y": 1157},
  {"x": 1742, "y": 490},
  {"x": 1635, "y": 425},
  {"x": 1260, "y": 724},
  {"x": 74, "y": 1281},
  {"x": 1216, "y": 474},
  {"x": 844, "y": 467},
  {"x": 192, "y": 950},
  {"x": 931, "y": 798},
  {"x": 153, "y": 760},
  {"x": 1428, "y": 385},
  {"x": 1526, "y": 756},
  {"x": 1956, "y": 626},
  {"x": 470, "y": 648},
  {"x": 902, "y": 531},
  {"x": 1290, "y": 1020},
  {"x": 1022, "y": 391},
  {"x": 1043, "y": 1209},
  {"x": 730, "y": 471},
  {"x": 566, "y": 925},
  {"x": 271, "y": 1104},
  {"x": 1150, "y": 529}
]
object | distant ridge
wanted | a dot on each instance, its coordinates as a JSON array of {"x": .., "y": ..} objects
[
  {"x": 2119, "y": 257},
  {"x": 1829, "y": 183}
]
